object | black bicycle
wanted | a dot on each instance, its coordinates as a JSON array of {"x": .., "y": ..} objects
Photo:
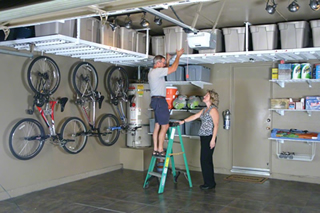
[{"x": 85, "y": 83}]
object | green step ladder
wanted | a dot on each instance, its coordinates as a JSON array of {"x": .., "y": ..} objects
[{"x": 173, "y": 127}]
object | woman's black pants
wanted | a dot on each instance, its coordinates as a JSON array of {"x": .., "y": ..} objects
[{"x": 207, "y": 161}]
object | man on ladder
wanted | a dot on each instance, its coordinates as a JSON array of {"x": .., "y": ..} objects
[
  {"x": 158, "y": 98},
  {"x": 169, "y": 156}
]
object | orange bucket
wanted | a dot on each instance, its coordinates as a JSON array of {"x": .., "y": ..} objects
[{"x": 172, "y": 93}]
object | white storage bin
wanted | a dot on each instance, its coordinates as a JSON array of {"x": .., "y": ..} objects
[
  {"x": 89, "y": 29},
  {"x": 157, "y": 45},
  {"x": 315, "y": 26},
  {"x": 141, "y": 43},
  {"x": 175, "y": 39},
  {"x": 294, "y": 34},
  {"x": 234, "y": 38},
  {"x": 109, "y": 37},
  {"x": 128, "y": 39},
  {"x": 64, "y": 28},
  {"x": 218, "y": 42},
  {"x": 264, "y": 37}
]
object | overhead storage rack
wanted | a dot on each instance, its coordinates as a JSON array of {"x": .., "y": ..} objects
[{"x": 82, "y": 49}]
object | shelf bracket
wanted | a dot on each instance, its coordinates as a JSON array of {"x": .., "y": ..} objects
[
  {"x": 198, "y": 84},
  {"x": 309, "y": 83},
  {"x": 280, "y": 112},
  {"x": 309, "y": 113},
  {"x": 281, "y": 84}
]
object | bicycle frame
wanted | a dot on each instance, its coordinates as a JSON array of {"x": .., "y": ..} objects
[
  {"x": 49, "y": 110},
  {"x": 85, "y": 111}
]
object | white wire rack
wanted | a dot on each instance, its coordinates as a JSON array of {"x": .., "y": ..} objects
[{"x": 77, "y": 48}]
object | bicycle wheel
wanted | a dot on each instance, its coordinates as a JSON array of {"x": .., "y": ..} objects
[
  {"x": 26, "y": 139},
  {"x": 109, "y": 129},
  {"x": 43, "y": 75},
  {"x": 85, "y": 79},
  {"x": 117, "y": 82},
  {"x": 73, "y": 132}
]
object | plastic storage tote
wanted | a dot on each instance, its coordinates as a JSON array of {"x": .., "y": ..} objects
[
  {"x": 89, "y": 29},
  {"x": 178, "y": 75},
  {"x": 128, "y": 39},
  {"x": 264, "y": 37},
  {"x": 294, "y": 34},
  {"x": 64, "y": 28},
  {"x": 192, "y": 128},
  {"x": 141, "y": 42},
  {"x": 109, "y": 37},
  {"x": 175, "y": 39},
  {"x": 234, "y": 38},
  {"x": 315, "y": 26},
  {"x": 218, "y": 42},
  {"x": 157, "y": 45},
  {"x": 198, "y": 73}
]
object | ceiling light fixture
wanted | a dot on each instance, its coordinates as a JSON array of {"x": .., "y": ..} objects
[
  {"x": 294, "y": 6},
  {"x": 158, "y": 20},
  {"x": 144, "y": 22},
  {"x": 113, "y": 25},
  {"x": 314, "y": 5},
  {"x": 128, "y": 22},
  {"x": 271, "y": 8}
]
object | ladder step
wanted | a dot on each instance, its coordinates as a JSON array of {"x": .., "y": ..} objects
[{"x": 155, "y": 174}]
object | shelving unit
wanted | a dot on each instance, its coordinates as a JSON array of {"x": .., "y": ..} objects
[
  {"x": 77, "y": 48},
  {"x": 298, "y": 157},
  {"x": 282, "y": 83},
  {"x": 281, "y": 111}
]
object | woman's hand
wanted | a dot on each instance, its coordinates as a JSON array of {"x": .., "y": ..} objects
[
  {"x": 212, "y": 144},
  {"x": 181, "y": 122}
]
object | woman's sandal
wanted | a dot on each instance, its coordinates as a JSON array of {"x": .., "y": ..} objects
[{"x": 155, "y": 153}]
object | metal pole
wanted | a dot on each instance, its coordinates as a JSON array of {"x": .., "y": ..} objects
[{"x": 8, "y": 52}]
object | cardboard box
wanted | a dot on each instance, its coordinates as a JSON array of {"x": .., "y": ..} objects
[
  {"x": 280, "y": 103},
  {"x": 313, "y": 103}
]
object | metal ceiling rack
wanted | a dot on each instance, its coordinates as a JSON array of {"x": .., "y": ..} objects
[{"x": 77, "y": 48}]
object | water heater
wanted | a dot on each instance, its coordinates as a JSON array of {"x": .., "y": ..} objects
[{"x": 139, "y": 115}]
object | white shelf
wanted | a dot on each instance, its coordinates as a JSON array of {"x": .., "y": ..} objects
[
  {"x": 297, "y": 157},
  {"x": 77, "y": 48},
  {"x": 195, "y": 83},
  {"x": 282, "y": 83},
  {"x": 281, "y": 111}
]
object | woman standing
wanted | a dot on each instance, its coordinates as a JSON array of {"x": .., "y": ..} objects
[{"x": 208, "y": 136}]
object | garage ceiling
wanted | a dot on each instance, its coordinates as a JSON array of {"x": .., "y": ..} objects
[{"x": 234, "y": 13}]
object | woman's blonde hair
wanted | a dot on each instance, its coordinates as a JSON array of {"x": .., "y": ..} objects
[{"x": 214, "y": 97}]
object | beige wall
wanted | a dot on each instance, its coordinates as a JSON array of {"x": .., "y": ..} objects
[{"x": 52, "y": 166}]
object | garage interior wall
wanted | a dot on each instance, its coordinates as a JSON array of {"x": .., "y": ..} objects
[{"x": 54, "y": 167}]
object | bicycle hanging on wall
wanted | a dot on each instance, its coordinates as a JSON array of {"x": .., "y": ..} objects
[
  {"x": 85, "y": 83},
  {"x": 27, "y": 137},
  {"x": 117, "y": 84}
]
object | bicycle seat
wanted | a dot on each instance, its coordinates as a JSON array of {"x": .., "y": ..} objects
[
  {"x": 100, "y": 99},
  {"x": 63, "y": 102}
]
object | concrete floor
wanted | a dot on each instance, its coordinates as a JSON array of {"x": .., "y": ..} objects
[{"x": 122, "y": 191}]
